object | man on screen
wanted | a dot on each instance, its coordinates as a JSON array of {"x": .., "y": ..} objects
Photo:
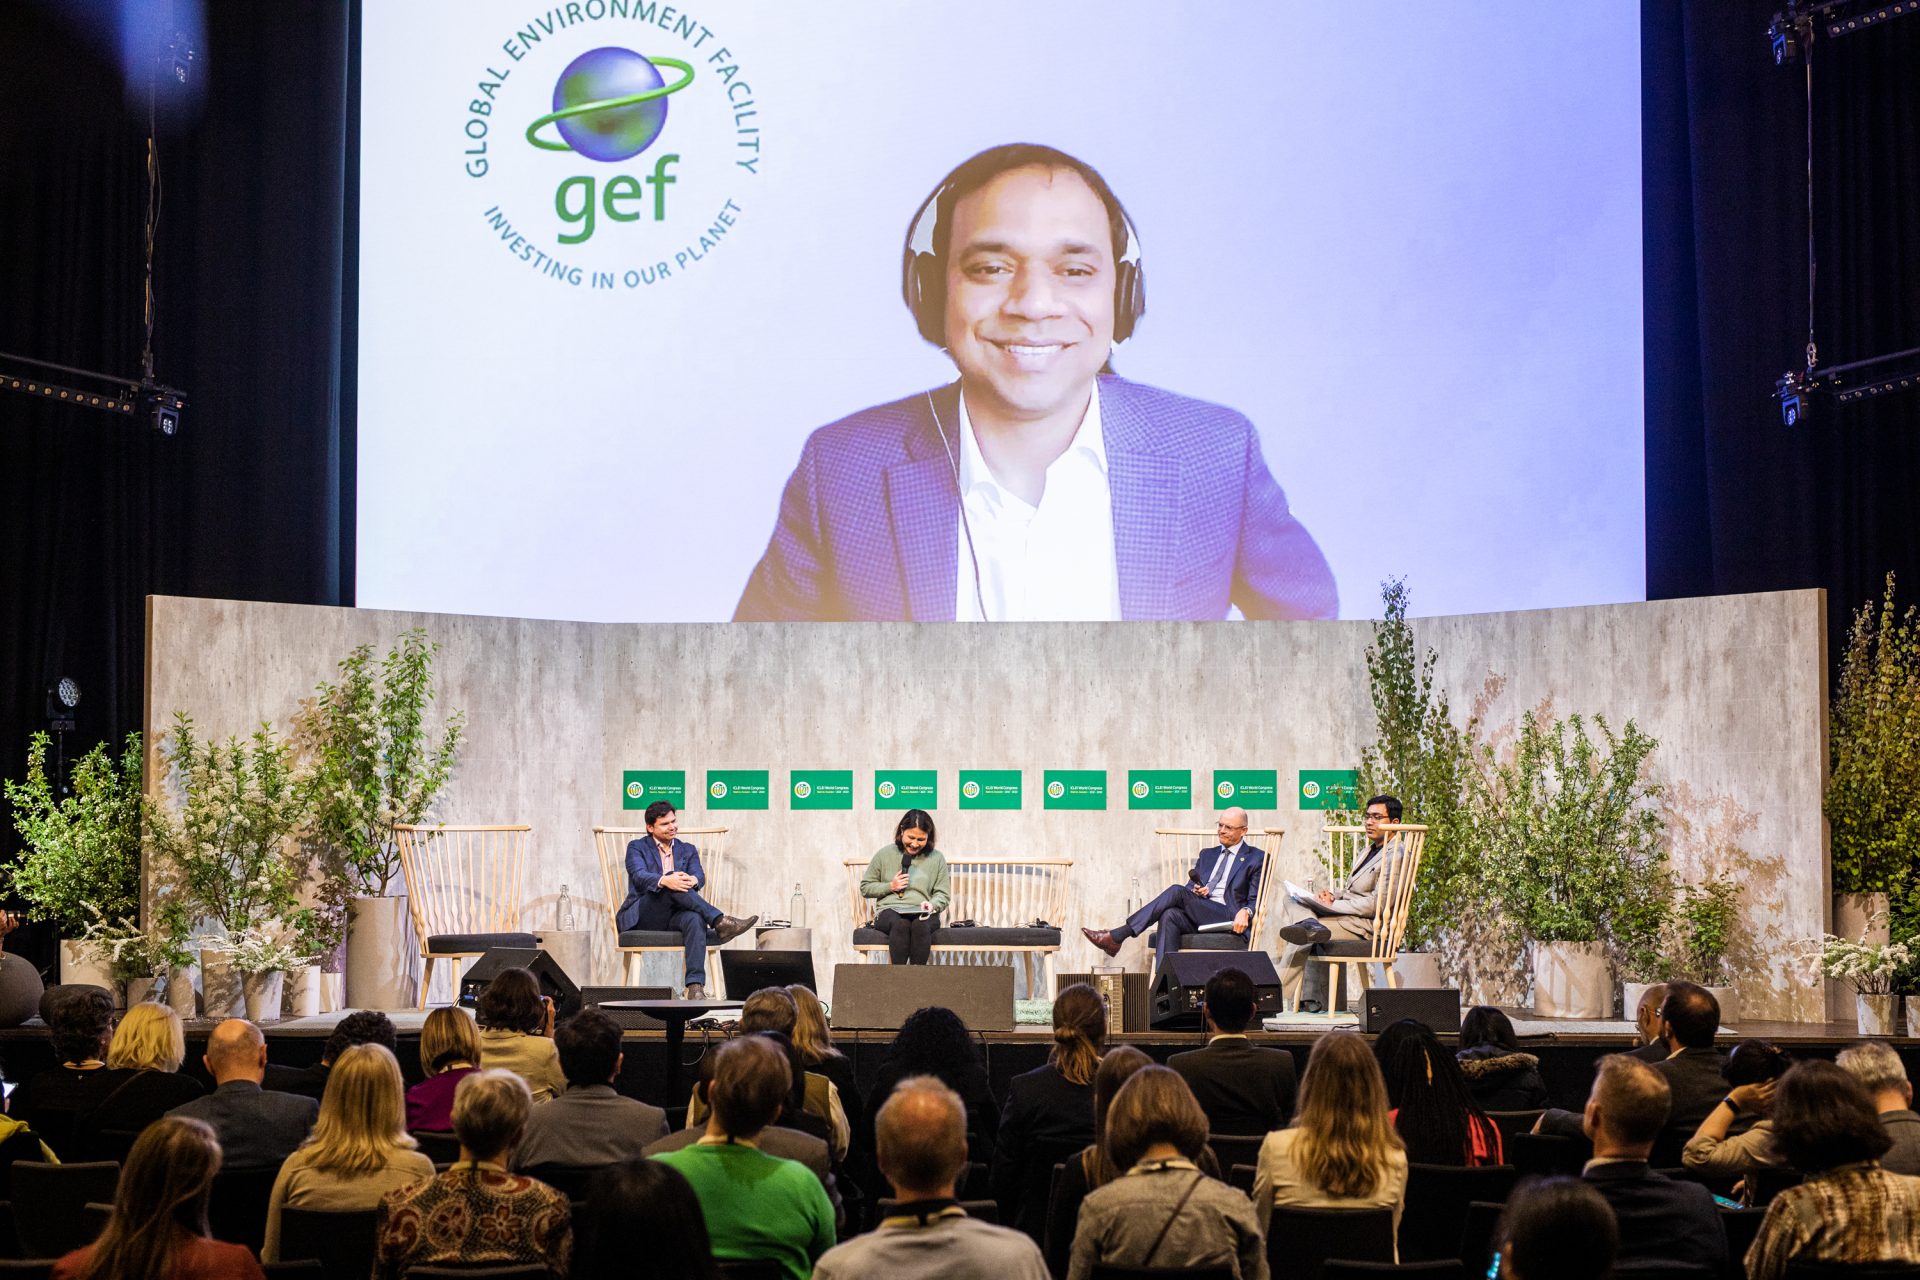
[
  {"x": 1222, "y": 890},
  {"x": 665, "y": 879},
  {"x": 1040, "y": 485}
]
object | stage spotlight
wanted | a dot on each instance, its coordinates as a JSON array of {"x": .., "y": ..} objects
[
  {"x": 63, "y": 699},
  {"x": 1795, "y": 393}
]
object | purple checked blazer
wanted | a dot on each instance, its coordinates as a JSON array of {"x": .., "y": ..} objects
[{"x": 869, "y": 524}]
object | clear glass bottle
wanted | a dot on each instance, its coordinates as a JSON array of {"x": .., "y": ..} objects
[
  {"x": 797, "y": 909},
  {"x": 1133, "y": 896},
  {"x": 563, "y": 914}
]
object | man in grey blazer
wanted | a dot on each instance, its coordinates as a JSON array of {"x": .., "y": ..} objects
[
  {"x": 1346, "y": 916},
  {"x": 590, "y": 1124},
  {"x": 1877, "y": 1067},
  {"x": 257, "y": 1128}
]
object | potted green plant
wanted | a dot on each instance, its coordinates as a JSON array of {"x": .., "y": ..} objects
[
  {"x": 82, "y": 859},
  {"x": 377, "y": 762},
  {"x": 1873, "y": 970},
  {"x": 228, "y": 842},
  {"x": 1706, "y": 914},
  {"x": 138, "y": 958},
  {"x": 1575, "y": 855},
  {"x": 263, "y": 954}
]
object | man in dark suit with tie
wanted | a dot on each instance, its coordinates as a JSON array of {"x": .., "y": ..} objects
[
  {"x": 1244, "y": 1089},
  {"x": 665, "y": 876},
  {"x": 1662, "y": 1222},
  {"x": 1224, "y": 886}
]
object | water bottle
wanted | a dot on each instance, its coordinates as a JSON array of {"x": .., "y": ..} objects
[
  {"x": 797, "y": 909},
  {"x": 1133, "y": 896},
  {"x": 564, "y": 913}
]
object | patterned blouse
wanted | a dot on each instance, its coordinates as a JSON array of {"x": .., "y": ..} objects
[
  {"x": 474, "y": 1213},
  {"x": 1855, "y": 1213}
]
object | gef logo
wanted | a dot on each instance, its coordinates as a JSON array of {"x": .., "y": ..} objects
[
  {"x": 633, "y": 122},
  {"x": 610, "y": 105}
]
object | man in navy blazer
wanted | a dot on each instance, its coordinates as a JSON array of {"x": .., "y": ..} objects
[
  {"x": 1223, "y": 887},
  {"x": 665, "y": 879},
  {"x": 1038, "y": 486}
]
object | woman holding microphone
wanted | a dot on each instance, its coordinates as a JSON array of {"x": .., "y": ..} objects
[{"x": 909, "y": 879}]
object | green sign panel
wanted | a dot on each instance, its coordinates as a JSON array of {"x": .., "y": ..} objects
[
  {"x": 906, "y": 788},
  {"x": 641, "y": 787},
  {"x": 1159, "y": 788},
  {"x": 1074, "y": 789},
  {"x": 989, "y": 788},
  {"x": 1329, "y": 789},
  {"x": 820, "y": 789},
  {"x": 736, "y": 788},
  {"x": 1248, "y": 788}
]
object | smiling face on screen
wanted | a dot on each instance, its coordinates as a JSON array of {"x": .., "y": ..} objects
[{"x": 1030, "y": 293}]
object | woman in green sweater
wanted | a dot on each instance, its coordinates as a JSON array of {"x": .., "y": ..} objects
[{"x": 909, "y": 879}]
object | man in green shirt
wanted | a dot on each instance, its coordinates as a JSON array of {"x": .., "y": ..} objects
[{"x": 757, "y": 1206}]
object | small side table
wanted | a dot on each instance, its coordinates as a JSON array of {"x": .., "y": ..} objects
[
  {"x": 786, "y": 938},
  {"x": 572, "y": 950}
]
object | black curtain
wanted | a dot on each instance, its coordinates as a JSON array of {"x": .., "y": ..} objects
[
  {"x": 1735, "y": 500},
  {"x": 252, "y": 499}
]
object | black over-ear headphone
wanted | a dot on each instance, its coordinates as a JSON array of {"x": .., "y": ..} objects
[{"x": 923, "y": 277}]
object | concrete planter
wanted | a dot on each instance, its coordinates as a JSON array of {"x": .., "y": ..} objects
[
  {"x": 1418, "y": 969},
  {"x": 140, "y": 990},
  {"x": 223, "y": 994},
  {"x": 1878, "y": 1015},
  {"x": 1571, "y": 980},
  {"x": 380, "y": 954},
  {"x": 1856, "y": 917},
  {"x": 304, "y": 991},
  {"x": 264, "y": 992},
  {"x": 80, "y": 963},
  {"x": 1729, "y": 1004},
  {"x": 181, "y": 997}
]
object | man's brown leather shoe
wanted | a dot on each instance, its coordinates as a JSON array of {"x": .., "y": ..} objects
[{"x": 1102, "y": 939}]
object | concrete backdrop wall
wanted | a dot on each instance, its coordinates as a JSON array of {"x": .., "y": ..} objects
[{"x": 1734, "y": 688}]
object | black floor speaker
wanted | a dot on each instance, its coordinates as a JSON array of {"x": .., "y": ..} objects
[
  {"x": 553, "y": 980},
  {"x": 1182, "y": 983},
  {"x": 1437, "y": 1007},
  {"x": 878, "y": 997}
]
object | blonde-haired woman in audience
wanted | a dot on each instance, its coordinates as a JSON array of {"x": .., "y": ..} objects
[
  {"x": 359, "y": 1149},
  {"x": 140, "y": 1084},
  {"x": 1341, "y": 1152},
  {"x": 449, "y": 1052},
  {"x": 1164, "y": 1211},
  {"x": 814, "y": 1039},
  {"x": 158, "y": 1227}
]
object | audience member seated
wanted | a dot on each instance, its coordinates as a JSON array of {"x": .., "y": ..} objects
[
  {"x": 158, "y": 1226},
  {"x": 771, "y": 1009},
  {"x": 1881, "y": 1073},
  {"x": 642, "y": 1200},
  {"x": 1049, "y": 1110},
  {"x": 1556, "y": 1229},
  {"x": 1751, "y": 1070},
  {"x": 143, "y": 1063},
  {"x": 1849, "y": 1209},
  {"x": 516, "y": 1032},
  {"x": 934, "y": 1042},
  {"x": 52, "y": 1102},
  {"x": 1662, "y": 1221},
  {"x": 814, "y": 1039},
  {"x": 921, "y": 1136},
  {"x": 256, "y": 1129},
  {"x": 1341, "y": 1152},
  {"x": 1164, "y": 1212},
  {"x": 807, "y": 1146},
  {"x": 477, "y": 1213},
  {"x": 1437, "y": 1119},
  {"x": 1387, "y": 1044},
  {"x": 362, "y": 1026},
  {"x": 1649, "y": 1044},
  {"x": 589, "y": 1124},
  {"x": 757, "y": 1206},
  {"x": 449, "y": 1053},
  {"x": 1499, "y": 1076},
  {"x": 1694, "y": 1071},
  {"x": 359, "y": 1150},
  {"x": 1244, "y": 1088}
]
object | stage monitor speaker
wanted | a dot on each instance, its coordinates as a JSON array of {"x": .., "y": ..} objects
[
  {"x": 628, "y": 1019},
  {"x": 1182, "y": 983},
  {"x": 745, "y": 972},
  {"x": 1437, "y": 1007},
  {"x": 878, "y": 997},
  {"x": 553, "y": 980}
]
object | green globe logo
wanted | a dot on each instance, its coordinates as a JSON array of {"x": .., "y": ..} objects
[
  {"x": 1224, "y": 791},
  {"x": 1056, "y": 789},
  {"x": 718, "y": 790},
  {"x": 610, "y": 104},
  {"x": 635, "y": 790},
  {"x": 886, "y": 790},
  {"x": 1311, "y": 790},
  {"x": 971, "y": 791},
  {"x": 1140, "y": 790},
  {"x": 802, "y": 789}
]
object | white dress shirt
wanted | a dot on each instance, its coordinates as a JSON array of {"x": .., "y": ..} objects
[{"x": 1049, "y": 563}]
